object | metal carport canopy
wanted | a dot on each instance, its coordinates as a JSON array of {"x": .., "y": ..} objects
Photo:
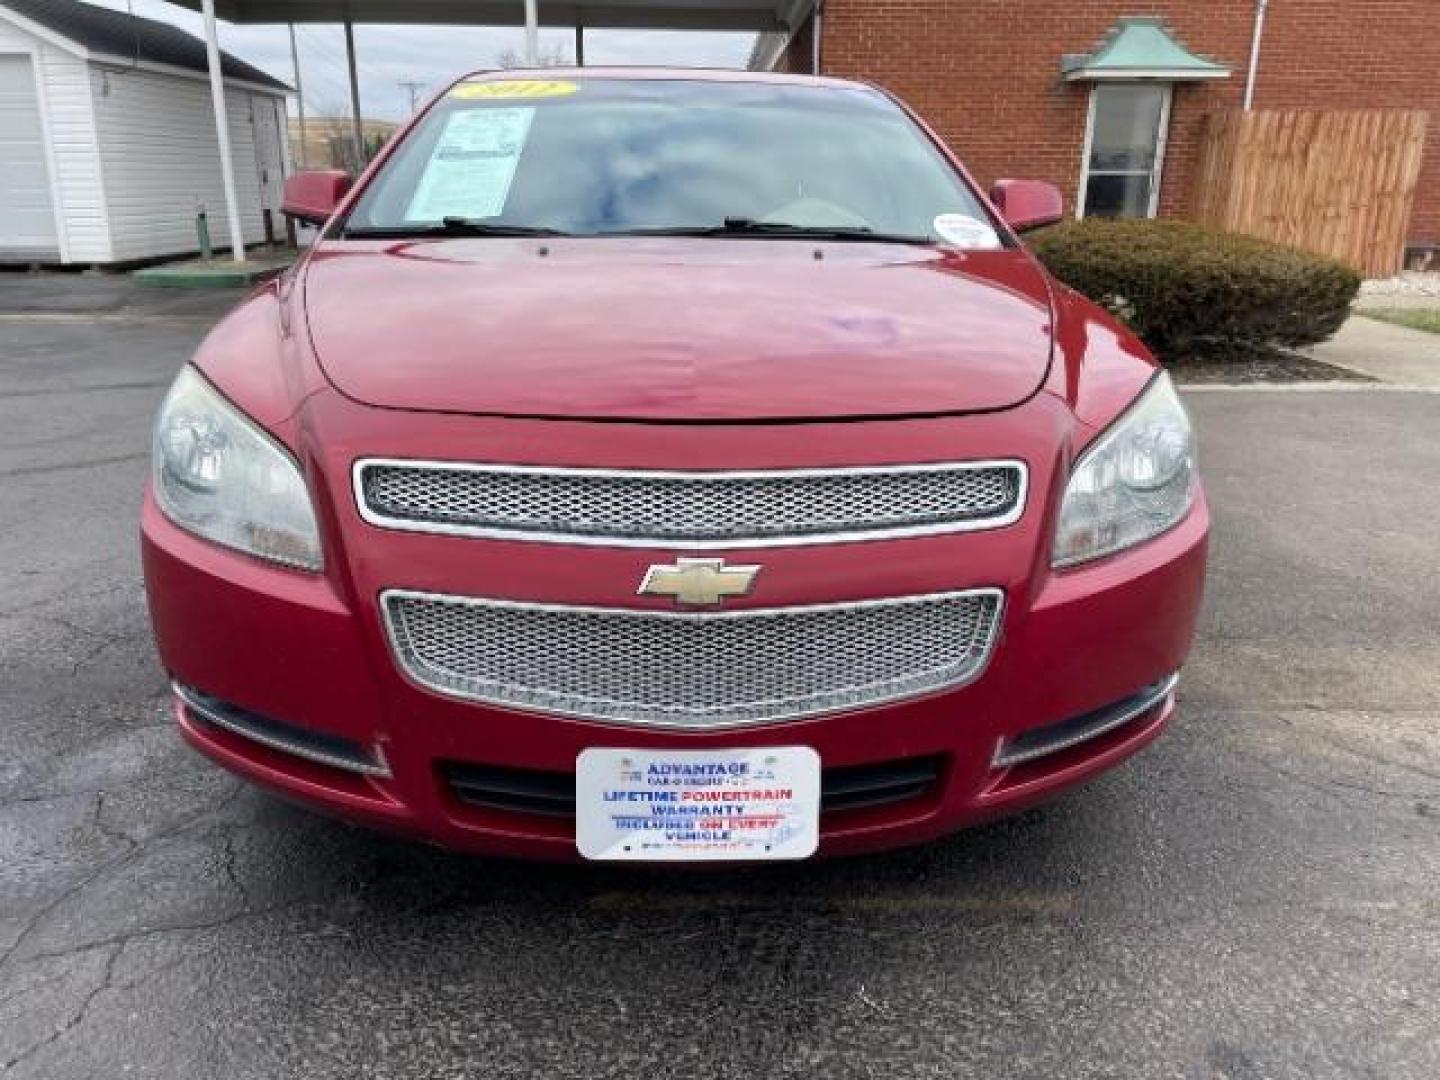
[{"x": 758, "y": 15}]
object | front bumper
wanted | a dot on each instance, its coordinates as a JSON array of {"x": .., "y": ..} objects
[{"x": 309, "y": 653}]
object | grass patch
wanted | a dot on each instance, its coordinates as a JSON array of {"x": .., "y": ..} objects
[{"x": 1427, "y": 319}]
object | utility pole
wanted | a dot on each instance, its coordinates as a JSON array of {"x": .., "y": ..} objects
[
  {"x": 358, "y": 130},
  {"x": 414, "y": 88},
  {"x": 299, "y": 94}
]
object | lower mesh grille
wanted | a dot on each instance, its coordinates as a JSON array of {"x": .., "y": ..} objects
[{"x": 692, "y": 670}]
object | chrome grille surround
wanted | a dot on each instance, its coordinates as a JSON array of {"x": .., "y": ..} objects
[
  {"x": 695, "y": 671},
  {"x": 699, "y": 511}
]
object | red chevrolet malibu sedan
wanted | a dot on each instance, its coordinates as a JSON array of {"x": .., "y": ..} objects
[{"x": 650, "y": 465}]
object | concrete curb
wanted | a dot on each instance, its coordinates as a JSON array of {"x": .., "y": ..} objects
[
  {"x": 190, "y": 276},
  {"x": 1394, "y": 355}
]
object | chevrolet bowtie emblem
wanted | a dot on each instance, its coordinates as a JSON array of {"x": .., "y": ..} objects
[{"x": 698, "y": 582}]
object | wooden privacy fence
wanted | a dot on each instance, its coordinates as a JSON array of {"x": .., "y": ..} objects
[{"x": 1337, "y": 183}]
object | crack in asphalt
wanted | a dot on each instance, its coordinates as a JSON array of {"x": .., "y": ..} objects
[
  {"x": 134, "y": 849},
  {"x": 1382, "y": 759},
  {"x": 227, "y": 863},
  {"x": 65, "y": 596},
  {"x": 90, "y": 655},
  {"x": 115, "y": 948},
  {"x": 147, "y": 933},
  {"x": 87, "y": 631},
  {"x": 35, "y": 792},
  {"x": 1325, "y": 785},
  {"x": 76, "y": 1018},
  {"x": 97, "y": 821}
]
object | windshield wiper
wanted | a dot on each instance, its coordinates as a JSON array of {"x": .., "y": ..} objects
[
  {"x": 450, "y": 226},
  {"x": 741, "y": 226},
  {"x": 733, "y": 226}
]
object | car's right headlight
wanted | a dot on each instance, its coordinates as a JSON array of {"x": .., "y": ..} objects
[
  {"x": 215, "y": 473},
  {"x": 1133, "y": 483}
]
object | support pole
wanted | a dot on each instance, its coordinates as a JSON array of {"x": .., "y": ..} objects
[
  {"x": 532, "y": 33},
  {"x": 579, "y": 39},
  {"x": 222, "y": 131},
  {"x": 358, "y": 128},
  {"x": 299, "y": 94}
]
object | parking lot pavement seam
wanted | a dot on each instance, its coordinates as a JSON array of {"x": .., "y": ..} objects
[
  {"x": 70, "y": 466},
  {"x": 1305, "y": 388},
  {"x": 104, "y": 388}
]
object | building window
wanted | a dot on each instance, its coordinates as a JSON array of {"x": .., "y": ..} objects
[{"x": 1124, "y": 149}]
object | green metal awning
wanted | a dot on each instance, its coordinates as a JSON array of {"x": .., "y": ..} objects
[{"x": 1140, "y": 47}]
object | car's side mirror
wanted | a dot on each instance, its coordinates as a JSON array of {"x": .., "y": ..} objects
[
  {"x": 1027, "y": 204},
  {"x": 313, "y": 196}
]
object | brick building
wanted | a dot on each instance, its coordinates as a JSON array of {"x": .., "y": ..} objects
[{"x": 1038, "y": 88}]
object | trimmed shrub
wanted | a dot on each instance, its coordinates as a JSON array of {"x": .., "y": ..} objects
[{"x": 1192, "y": 293}]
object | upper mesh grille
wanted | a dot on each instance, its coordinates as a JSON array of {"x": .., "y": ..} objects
[
  {"x": 692, "y": 670},
  {"x": 689, "y": 509}
]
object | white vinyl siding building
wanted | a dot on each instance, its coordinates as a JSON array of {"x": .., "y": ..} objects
[
  {"x": 159, "y": 155},
  {"x": 107, "y": 158}
]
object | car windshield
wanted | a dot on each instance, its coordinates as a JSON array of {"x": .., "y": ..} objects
[{"x": 615, "y": 156}]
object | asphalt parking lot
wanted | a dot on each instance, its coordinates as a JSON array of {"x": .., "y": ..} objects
[{"x": 1256, "y": 896}]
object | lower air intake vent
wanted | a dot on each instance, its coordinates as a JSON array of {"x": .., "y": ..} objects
[
  {"x": 529, "y": 791},
  {"x": 313, "y": 746},
  {"x": 1051, "y": 740}
]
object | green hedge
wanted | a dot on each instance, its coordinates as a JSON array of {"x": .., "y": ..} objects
[{"x": 1193, "y": 293}]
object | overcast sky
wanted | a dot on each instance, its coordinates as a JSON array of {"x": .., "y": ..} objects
[{"x": 390, "y": 55}]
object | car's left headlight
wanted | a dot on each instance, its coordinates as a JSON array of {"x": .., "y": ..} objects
[
  {"x": 1134, "y": 482},
  {"x": 218, "y": 475}
]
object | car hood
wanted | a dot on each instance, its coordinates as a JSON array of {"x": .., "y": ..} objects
[{"x": 674, "y": 330}]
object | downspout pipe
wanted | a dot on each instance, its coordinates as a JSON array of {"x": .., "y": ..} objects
[
  {"x": 1260, "y": 6},
  {"x": 815, "y": 36}
]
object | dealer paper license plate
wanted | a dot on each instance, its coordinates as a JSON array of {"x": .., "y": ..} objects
[{"x": 649, "y": 805}]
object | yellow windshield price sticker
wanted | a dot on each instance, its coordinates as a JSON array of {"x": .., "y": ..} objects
[{"x": 514, "y": 89}]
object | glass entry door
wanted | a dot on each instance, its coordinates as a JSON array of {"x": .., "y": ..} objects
[{"x": 1124, "y": 149}]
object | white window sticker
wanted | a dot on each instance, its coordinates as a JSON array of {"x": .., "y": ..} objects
[
  {"x": 697, "y": 805},
  {"x": 964, "y": 231},
  {"x": 473, "y": 165}
]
